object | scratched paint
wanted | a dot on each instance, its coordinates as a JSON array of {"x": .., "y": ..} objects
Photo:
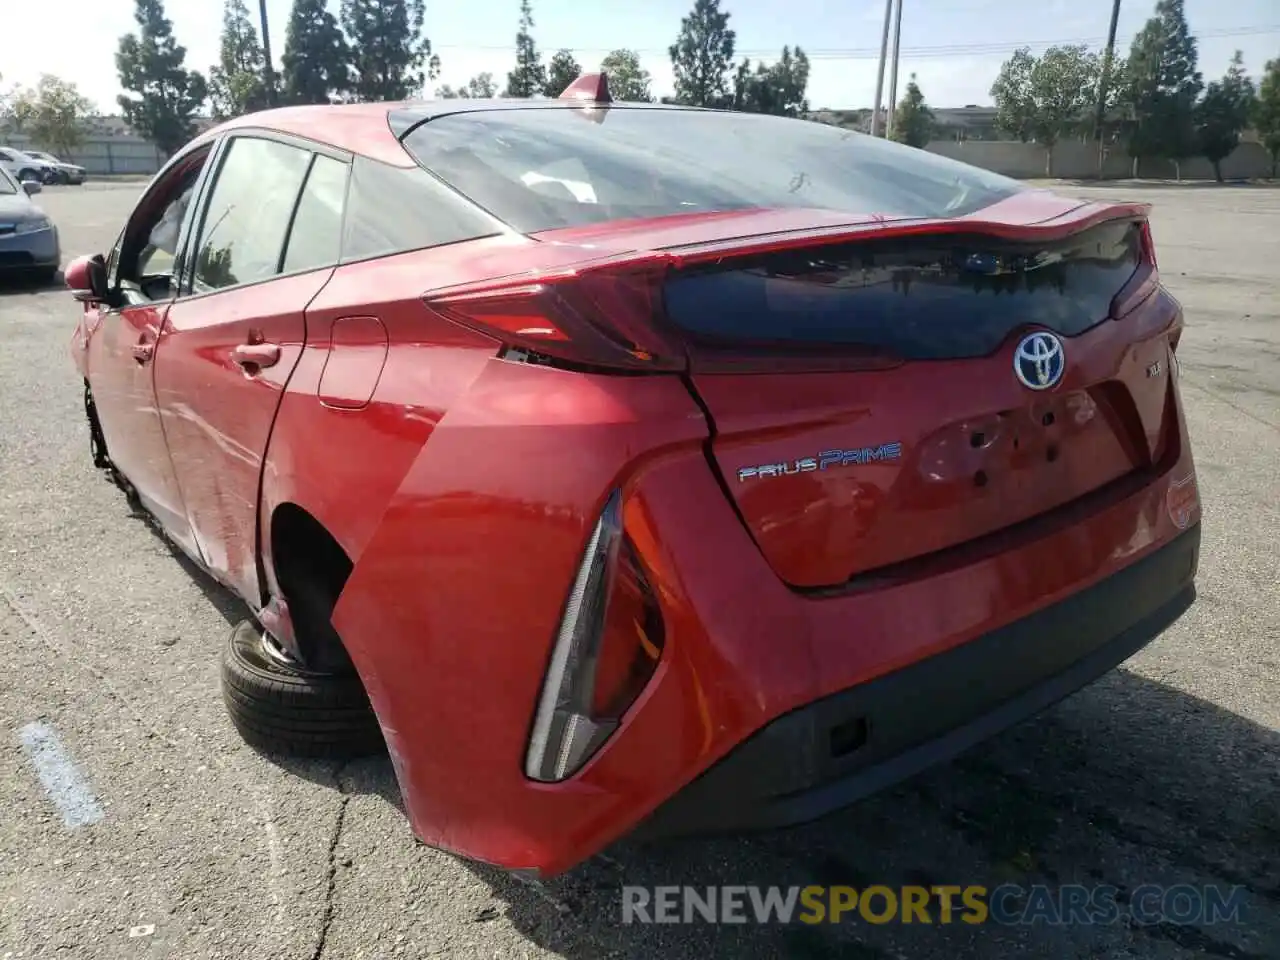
[{"x": 66, "y": 786}]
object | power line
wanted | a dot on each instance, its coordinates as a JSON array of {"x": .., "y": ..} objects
[{"x": 873, "y": 53}]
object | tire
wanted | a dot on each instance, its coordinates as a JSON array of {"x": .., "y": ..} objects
[
  {"x": 45, "y": 276},
  {"x": 28, "y": 175},
  {"x": 279, "y": 708}
]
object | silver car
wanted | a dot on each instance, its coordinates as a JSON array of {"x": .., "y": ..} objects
[
  {"x": 28, "y": 238},
  {"x": 63, "y": 172}
]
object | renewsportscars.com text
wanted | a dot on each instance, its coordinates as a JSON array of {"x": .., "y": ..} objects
[{"x": 1009, "y": 904}]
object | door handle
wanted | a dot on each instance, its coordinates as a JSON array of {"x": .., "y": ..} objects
[
  {"x": 255, "y": 356},
  {"x": 143, "y": 352}
]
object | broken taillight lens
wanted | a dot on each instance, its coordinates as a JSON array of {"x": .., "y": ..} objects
[
  {"x": 609, "y": 318},
  {"x": 1148, "y": 245},
  {"x": 606, "y": 651},
  {"x": 1145, "y": 279}
]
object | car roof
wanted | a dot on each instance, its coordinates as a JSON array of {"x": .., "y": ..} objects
[{"x": 374, "y": 129}]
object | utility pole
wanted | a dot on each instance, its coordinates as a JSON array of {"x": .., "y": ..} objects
[
  {"x": 893, "y": 71},
  {"x": 269, "y": 73},
  {"x": 1105, "y": 79},
  {"x": 884, "y": 52}
]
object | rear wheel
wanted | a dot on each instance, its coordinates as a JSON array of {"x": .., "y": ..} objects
[
  {"x": 279, "y": 707},
  {"x": 28, "y": 174}
]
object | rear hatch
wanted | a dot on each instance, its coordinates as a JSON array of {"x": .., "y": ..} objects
[
  {"x": 862, "y": 379},
  {"x": 847, "y": 310},
  {"x": 865, "y": 394}
]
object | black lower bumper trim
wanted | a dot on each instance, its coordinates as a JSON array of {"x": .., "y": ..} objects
[{"x": 842, "y": 748}]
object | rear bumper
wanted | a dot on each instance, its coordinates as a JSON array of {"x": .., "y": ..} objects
[
  {"x": 842, "y": 748},
  {"x": 742, "y": 653}
]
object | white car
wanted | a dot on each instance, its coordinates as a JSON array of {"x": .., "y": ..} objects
[
  {"x": 23, "y": 166},
  {"x": 63, "y": 172}
]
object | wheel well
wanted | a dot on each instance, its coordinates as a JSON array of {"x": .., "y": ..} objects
[{"x": 311, "y": 569}]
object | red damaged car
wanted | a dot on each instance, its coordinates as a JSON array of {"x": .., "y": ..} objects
[{"x": 635, "y": 469}]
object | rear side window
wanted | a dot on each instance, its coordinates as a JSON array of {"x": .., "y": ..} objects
[
  {"x": 542, "y": 168},
  {"x": 315, "y": 240},
  {"x": 394, "y": 210},
  {"x": 243, "y": 230}
]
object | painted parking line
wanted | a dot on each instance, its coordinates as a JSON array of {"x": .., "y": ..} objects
[{"x": 66, "y": 786}]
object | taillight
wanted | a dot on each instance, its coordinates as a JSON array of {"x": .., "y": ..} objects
[
  {"x": 1145, "y": 279},
  {"x": 609, "y": 318},
  {"x": 607, "y": 649},
  {"x": 1148, "y": 245}
]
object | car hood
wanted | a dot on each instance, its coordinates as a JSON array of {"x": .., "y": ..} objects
[{"x": 16, "y": 208}]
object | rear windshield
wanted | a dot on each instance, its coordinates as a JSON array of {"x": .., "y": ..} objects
[
  {"x": 918, "y": 298},
  {"x": 539, "y": 169}
]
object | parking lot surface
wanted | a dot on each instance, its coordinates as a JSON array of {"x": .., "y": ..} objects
[{"x": 188, "y": 844}]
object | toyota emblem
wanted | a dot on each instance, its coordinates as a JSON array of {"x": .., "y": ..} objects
[{"x": 1040, "y": 361}]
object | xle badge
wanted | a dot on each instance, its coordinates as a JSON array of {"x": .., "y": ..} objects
[
  {"x": 1182, "y": 500},
  {"x": 885, "y": 453}
]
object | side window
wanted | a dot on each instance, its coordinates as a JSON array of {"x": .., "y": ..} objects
[
  {"x": 244, "y": 223},
  {"x": 397, "y": 209},
  {"x": 143, "y": 259},
  {"x": 158, "y": 257},
  {"x": 315, "y": 240}
]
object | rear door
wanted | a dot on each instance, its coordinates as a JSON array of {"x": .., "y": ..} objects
[{"x": 231, "y": 341}]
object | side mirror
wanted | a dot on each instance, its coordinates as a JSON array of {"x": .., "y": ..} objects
[
  {"x": 86, "y": 278},
  {"x": 32, "y": 187}
]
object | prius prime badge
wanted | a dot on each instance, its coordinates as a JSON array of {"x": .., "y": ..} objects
[{"x": 1040, "y": 361}]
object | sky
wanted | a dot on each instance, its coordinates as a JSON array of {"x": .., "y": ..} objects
[{"x": 955, "y": 47}]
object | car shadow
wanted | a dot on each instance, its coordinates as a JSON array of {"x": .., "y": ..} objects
[
  {"x": 19, "y": 284},
  {"x": 1129, "y": 782},
  {"x": 230, "y": 607}
]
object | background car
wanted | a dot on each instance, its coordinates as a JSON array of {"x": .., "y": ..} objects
[
  {"x": 68, "y": 173},
  {"x": 28, "y": 238},
  {"x": 23, "y": 166},
  {"x": 635, "y": 467}
]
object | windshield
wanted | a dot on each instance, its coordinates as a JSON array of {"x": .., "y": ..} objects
[
  {"x": 539, "y": 169},
  {"x": 7, "y": 184}
]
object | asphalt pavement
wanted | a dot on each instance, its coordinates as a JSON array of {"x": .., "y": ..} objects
[{"x": 183, "y": 843}]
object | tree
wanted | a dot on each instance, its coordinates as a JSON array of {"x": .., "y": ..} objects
[
  {"x": 529, "y": 76},
  {"x": 390, "y": 57},
  {"x": 479, "y": 87},
  {"x": 1015, "y": 105},
  {"x": 701, "y": 56},
  {"x": 777, "y": 89},
  {"x": 913, "y": 120},
  {"x": 628, "y": 81},
  {"x": 561, "y": 71},
  {"x": 1063, "y": 89},
  {"x": 1163, "y": 86},
  {"x": 317, "y": 60},
  {"x": 1266, "y": 112},
  {"x": 52, "y": 114},
  {"x": 151, "y": 66},
  {"x": 5, "y": 99},
  {"x": 236, "y": 84},
  {"x": 1225, "y": 112},
  {"x": 1112, "y": 71}
]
